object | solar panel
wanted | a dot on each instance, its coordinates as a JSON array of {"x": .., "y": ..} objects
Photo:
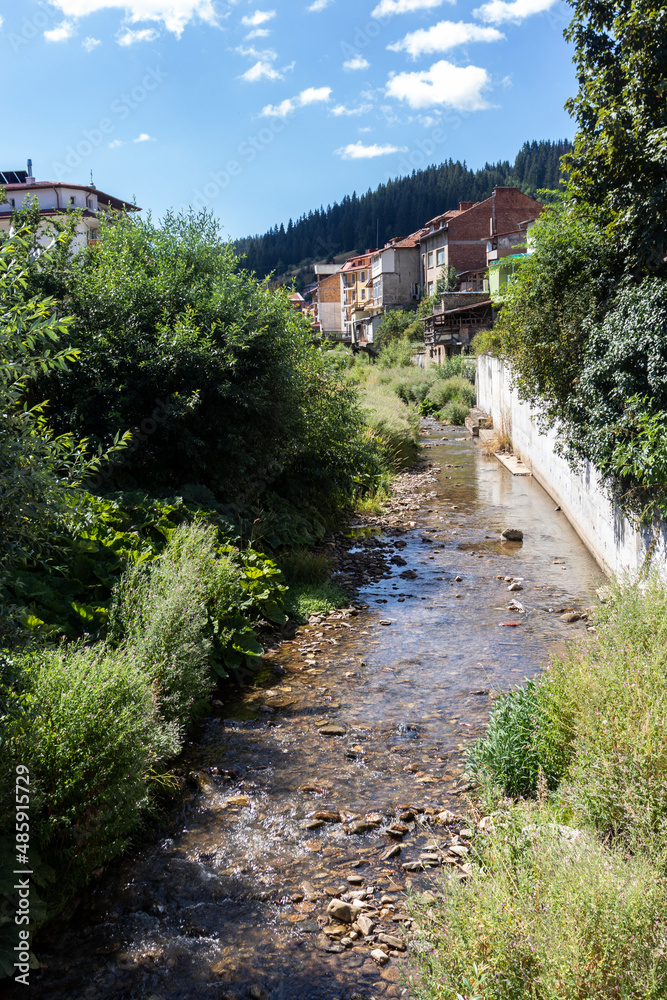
[{"x": 13, "y": 176}]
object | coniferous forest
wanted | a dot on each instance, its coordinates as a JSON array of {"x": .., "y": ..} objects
[{"x": 397, "y": 208}]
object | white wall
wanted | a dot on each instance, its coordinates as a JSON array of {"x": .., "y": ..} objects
[{"x": 616, "y": 545}]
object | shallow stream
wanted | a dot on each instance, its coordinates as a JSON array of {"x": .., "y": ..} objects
[{"x": 232, "y": 900}]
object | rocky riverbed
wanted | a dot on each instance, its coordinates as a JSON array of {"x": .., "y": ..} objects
[{"x": 331, "y": 788}]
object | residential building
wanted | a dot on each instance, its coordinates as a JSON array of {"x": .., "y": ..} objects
[
  {"x": 504, "y": 253},
  {"x": 395, "y": 280},
  {"x": 454, "y": 239},
  {"x": 451, "y": 327},
  {"x": 55, "y": 199},
  {"x": 355, "y": 278},
  {"x": 326, "y": 299}
]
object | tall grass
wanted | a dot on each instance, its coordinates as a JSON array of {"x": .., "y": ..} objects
[
  {"x": 547, "y": 917},
  {"x": 555, "y": 914},
  {"x": 394, "y": 422}
]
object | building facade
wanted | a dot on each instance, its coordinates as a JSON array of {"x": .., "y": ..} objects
[
  {"x": 54, "y": 200},
  {"x": 457, "y": 238}
]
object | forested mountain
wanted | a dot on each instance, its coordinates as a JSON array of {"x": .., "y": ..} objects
[{"x": 396, "y": 208}]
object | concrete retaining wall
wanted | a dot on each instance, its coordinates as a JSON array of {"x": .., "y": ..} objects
[{"x": 616, "y": 545}]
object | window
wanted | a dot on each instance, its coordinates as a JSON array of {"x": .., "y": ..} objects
[
  {"x": 429, "y": 288},
  {"x": 363, "y": 294},
  {"x": 362, "y": 276},
  {"x": 440, "y": 256},
  {"x": 430, "y": 259},
  {"x": 71, "y": 202}
]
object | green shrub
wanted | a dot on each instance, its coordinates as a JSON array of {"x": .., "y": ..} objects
[
  {"x": 398, "y": 354},
  {"x": 89, "y": 729},
  {"x": 520, "y": 741},
  {"x": 443, "y": 391},
  {"x": 546, "y": 917},
  {"x": 161, "y": 613},
  {"x": 302, "y": 566},
  {"x": 455, "y": 412},
  {"x": 609, "y": 702}
]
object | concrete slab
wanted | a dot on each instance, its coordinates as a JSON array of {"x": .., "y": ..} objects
[{"x": 513, "y": 464}]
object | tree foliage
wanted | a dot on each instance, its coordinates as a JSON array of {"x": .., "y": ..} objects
[
  {"x": 619, "y": 161},
  {"x": 216, "y": 375}
]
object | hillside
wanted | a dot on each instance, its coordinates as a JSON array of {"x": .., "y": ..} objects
[{"x": 396, "y": 208}]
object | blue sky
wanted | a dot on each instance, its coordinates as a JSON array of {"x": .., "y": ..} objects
[{"x": 262, "y": 111}]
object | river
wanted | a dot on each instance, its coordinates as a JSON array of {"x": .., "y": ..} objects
[{"x": 365, "y": 727}]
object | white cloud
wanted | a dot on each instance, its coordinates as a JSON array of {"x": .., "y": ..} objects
[
  {"x": 319, "y": 5},
  {"x": 61, "y": 32},
  {"x": 443, "y": 36},
  {"x": 1, "y": 21},
  {"x": 257, "y": 33},
  {"x": 386, "y": 8},
  {"x": 341, "y": 110},
  {"x": 259, "y": 17},
  {"x": 311, "y": 95},
  {"x": 459, "y": 87},
  {"x": 115, "y": 143},
  {"x": 281, "y": 110},
  {"x": 174, "y": 14},
  {"x": 356, "y": 62},
  {"x": 357, "y": 150},
  {"x": 261, "y": 70},
  {"x": 130, "y": 37},
  {"x": 500, "y": 11},
  {"x": 144, "y": 137},
  {"x": 267, "y": 55},
  {"x": 90, "y": 43}
]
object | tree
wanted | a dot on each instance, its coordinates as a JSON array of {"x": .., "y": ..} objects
[
  {"x": 619, "y": 161},
  {"x": 40, "y": 471}
]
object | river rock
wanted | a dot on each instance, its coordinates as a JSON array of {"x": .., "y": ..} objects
[
  {"x": 513, "y": 587},
  {"x": 397, "y": 943},
  {"x": 238, "y": 800},
  {"x": 446, "y": 818},
  {"x": 340, "y": 910},
  {"x": 332, "y": 729},
  {"x": 391, "y": 852},
  {"x": 512, "y": 535},
  {"x": 379, "y": 956},
  {"x": 365, "y": 924},
  {"x": 570, "y": 616},
  {"x": 408, "y": 574}
]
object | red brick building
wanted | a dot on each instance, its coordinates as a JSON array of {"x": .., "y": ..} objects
[{"x": 454, "y": 239}]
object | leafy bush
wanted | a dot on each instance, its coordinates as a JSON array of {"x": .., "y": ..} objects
[
  {"x": 302, "y": 566},
  {"x": 194, "y": 607},
  {"x": 217, "y": 375},
  {"x": 455, "y": 412},
  {"x": 519, "y": 743},
  {"x": 398, "y": 354},
  {"x": 88, "y": 726},
  {"x": 548, "y": 917},
  {"x": 446, "y": 390}
]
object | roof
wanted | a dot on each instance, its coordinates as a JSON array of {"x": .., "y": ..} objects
[
  {"x": 449, "y": 214},
  {"x": 109, "y": 199},
  {"x": 362, "y": 260},
  {"x": 459, "y": 309}
]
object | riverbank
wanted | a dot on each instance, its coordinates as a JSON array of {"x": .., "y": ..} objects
[
  {"x": 567, "y": 894},
  {"x": 356, "y": 726}
]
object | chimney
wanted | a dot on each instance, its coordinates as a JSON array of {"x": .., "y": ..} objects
[
  {"x": 465, "y": 205},
  {"x": 29, "y": 178}
]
